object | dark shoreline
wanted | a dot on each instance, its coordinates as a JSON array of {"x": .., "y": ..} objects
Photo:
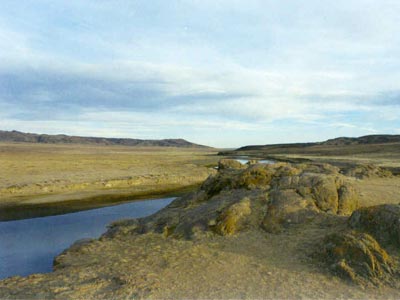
[{"x": 28, "y": 211}]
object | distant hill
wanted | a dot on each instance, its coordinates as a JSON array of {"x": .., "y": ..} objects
[
  {"x": 364, "y": 140},
  {"x": 17, "y": 136},
  {"x": 340, "y": 141},
  {"x": 377, "y": 144}
]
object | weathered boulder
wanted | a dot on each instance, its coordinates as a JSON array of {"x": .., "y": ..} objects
[
  {"x": 298, "y": 195},
  {"x": 252, "y": 177},
  {"x": 356, "y": 256},
  {"x": 325, "y": 193},
  {"x": 348, "y": 199},
  {"x": 381, "y": 221},
  {"x": 229, "y": 164},
  {"x": 285, "y": 208},
  {"x": 226, "y": 213},
  {"x": 231, "y": 219},
  {"x": 214, "y": 184},
  {"x": 255, "y": 176}
]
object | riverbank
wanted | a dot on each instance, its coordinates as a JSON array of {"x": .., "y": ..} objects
[
  {"x": 43, "y": 179},
  {"x": 86, "y": 201}
]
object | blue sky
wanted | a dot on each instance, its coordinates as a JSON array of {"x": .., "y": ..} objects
[{"x": 222, "y": 73}]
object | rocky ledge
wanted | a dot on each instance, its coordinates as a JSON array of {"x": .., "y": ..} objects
[{"x": 269, "y": 197}]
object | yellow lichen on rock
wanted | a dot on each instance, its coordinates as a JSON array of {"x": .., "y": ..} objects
[
  {"x": 230, "y": 220},
  {"x": 255, "y": 176},
  {"x": 348, "y": 199},
  {"x": 380, "y": 221},
  {"x": 356, "y": 256}
]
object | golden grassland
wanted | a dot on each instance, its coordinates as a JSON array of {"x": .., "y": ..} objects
[{"x": 41, "y": 173}]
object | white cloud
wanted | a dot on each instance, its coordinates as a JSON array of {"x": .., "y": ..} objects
[{"x": 181, "y": 68}]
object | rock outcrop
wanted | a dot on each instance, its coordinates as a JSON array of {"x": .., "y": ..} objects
[
  {"x": 381, "y": 221},
  {"x": 272, "y": 197},
  {"x": 356, "y": 253},
  {"x": 356, "y": 256},
  {"x": 299, "y": 193}
]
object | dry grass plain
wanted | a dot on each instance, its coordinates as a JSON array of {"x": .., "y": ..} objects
[
  {"x": 33, "y": 175},
  {"x": 386, "y": 160}
]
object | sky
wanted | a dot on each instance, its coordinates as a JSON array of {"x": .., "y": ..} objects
[{"x": 222, "y": 73}]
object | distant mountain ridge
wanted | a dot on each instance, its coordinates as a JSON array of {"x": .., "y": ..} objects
[
  {"x": 363, "y": 140},
  {"x": 17, "y": 136},
  {"x": 340, "y": 141}
]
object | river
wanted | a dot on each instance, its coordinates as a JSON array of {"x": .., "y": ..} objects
[{"x": 29, "y": 246}]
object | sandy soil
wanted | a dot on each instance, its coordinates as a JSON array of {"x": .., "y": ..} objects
[{"x": 376, "y": 191}]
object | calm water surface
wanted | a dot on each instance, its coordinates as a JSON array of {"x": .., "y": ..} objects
[{"x": 29, "y": 246}]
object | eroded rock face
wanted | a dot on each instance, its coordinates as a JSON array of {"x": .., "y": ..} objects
[
  {"x": 231, "y": 219},
  {"x": 348, "y": 196},
  {"x": 381, "y": 221},
  {"x": 285, "y": 208},
  {"x": 356, "y": 256},
  {"x": 266, "y": 196},
  {"x": 298, "y": 194}
]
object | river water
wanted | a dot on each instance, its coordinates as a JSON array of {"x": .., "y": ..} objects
[
  {"x": 29, "y": 246},
  {"x": 245, "y": 159}
]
